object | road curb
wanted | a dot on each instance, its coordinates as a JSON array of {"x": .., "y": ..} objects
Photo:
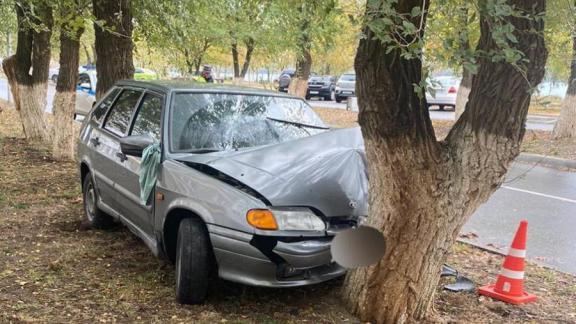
[
  {"x": 504, "y": 254},
  {"x": 546, "y": 160}
]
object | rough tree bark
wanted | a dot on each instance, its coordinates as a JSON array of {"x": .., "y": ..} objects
[
  {"x": 464, "y": 46},
  {"x": 250, "y": 45},
  {"x": 235, "y": 61},
  {"x": 299, "y": 84},
  {"x": 65, "y": 97},
  {"x": 463, "y": 92},
  {"x": 113, "y": 42},
  {"x": 32, "y": 56},
  {"x": 422, "y": 191},
  {"x": 566, "y": 125}
]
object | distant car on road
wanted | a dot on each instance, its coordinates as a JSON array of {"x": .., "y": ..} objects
[
  {"x": 285, "y": 79},
  {"x": 85, "y": 92},
  {"x": 444, "y": 90},
  {"x": 321, "y": 86},
  {"x": 345, "y": 87}
]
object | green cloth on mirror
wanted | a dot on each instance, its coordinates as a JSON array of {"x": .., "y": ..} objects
[{"x": 149, "y": 167}]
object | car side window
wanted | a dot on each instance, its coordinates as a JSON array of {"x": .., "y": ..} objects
[
  {"x": 102, "y": 108},
  {"x": 118, "y": 119},
  {"x": 148, "y": 117}
]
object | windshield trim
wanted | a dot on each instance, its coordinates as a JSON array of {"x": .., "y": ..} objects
[{"x": 173, "y": 94}]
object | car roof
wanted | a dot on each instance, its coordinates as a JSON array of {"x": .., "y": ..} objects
[{"x": 193, "y": 86}]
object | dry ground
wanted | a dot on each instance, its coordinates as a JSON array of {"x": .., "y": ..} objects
[
  {"x": 538, "y": 142},
  {"x": 54, "y": 269}
]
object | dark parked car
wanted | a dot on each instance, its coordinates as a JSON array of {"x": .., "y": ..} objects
[
  {"x": 285, "y": 79},
  {"x": 321, "y": 86},
  {"x": 251, "y": 185}
]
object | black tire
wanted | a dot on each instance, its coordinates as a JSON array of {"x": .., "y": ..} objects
[
  {"x": 96, "y": 218},
  {"x": 308, "y": 97},
  {"x": 328, "y": 97},
  {"x": 194, "y": 262},
  {"x": 338, "y": 99}
]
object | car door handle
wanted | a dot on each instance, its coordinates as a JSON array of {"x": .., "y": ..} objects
[
  {"x": 95, "y": 141},
  {"x": 121, "y": 156}
]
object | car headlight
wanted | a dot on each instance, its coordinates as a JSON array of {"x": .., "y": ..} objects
[{"x": 285, "y": 219}]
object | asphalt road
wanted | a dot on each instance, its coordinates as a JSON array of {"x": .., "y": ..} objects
[
  {"x": 545, "y": 197},
  {"x": 534, "y": 122}
]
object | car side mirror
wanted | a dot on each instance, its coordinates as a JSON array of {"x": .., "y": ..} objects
[{"x": 135, "y": 144}]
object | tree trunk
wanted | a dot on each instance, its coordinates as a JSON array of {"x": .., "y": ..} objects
[
  {"x": 463, "y": 47},
  {"x": 88, "y": 55},
  {"x": 65, "y": 98},
  {"x": 299, "y": 85},
  {"x": 250, "y": 44},
  {"x": 422, "y": 191},
  {"x": 32, "y": 54},
  {"x": 235, "y": 60},
  {"x": 463, "y": 92},
  {"x": 566, "y": 125},
  {"x": 113, "y": 43}
]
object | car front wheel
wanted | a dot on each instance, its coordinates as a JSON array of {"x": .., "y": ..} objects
[
  {"x": 96, "y": 217},
  {"x": 338, "y": 99},
  {"x": 193, "y": 262}
]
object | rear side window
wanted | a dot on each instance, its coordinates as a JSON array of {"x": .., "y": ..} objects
[
  {"x": 149, "y": 115},
  {"x": 102, "y": 108},
  {"x": 119, "y": 117}
]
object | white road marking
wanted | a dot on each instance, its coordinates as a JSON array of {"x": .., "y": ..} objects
[{"x": 540, "y": 194}]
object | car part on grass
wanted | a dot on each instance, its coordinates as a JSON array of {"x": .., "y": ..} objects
[{"x": 462, "y": 284}]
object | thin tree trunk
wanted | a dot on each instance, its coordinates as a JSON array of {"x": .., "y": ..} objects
[
  {"x": 422, "y": 191},
  {"x": 250, "y": 45},
  {"x": 566, "y": 124},
  {"x": 65, "y": 98},
  {"x": 32, "y": 53},
  {"x": 299, "y": 85},
  {"x": 113, "y": 43},
  {"x": 463, "y": 46},
  {"x": 88, "y": 55},
  {"x": 463, "y": 92},
  {"x": 235, "y": 61}
]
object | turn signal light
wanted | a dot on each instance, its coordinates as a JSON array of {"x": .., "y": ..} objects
[{"x": 261, "y": 219}]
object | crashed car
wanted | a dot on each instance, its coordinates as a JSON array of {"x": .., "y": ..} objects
[{"x": 251, "y": 185}]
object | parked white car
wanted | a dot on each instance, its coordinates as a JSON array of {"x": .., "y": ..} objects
[
  {"x": 85, "y": 92},
  {"x": 443, "y": 91}
]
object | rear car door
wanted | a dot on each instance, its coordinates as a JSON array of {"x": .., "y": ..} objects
[
  {"x": 147, "y": 121},
  {"x": 110, "y": 159}
]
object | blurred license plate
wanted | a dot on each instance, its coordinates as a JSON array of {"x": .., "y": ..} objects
[
  {"x": 313, "y": 92},
  {"x": 347, "y": 92}
]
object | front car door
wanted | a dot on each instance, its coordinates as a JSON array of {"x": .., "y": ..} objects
[
  {"x": 147, "y": 121},
  {"x": 110, "y": 162}
]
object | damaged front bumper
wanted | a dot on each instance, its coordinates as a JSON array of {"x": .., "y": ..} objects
[{"x": 272, "y": 261}]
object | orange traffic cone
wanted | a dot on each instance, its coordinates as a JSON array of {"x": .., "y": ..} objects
[{"x": 509, "y": 286}]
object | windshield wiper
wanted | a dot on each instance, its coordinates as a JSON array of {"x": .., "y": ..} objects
[
  {"x": 296, "y": 123},
  {"x": 203, "y": 150}
]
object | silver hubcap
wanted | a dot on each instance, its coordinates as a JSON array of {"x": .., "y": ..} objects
[{"x": 90, "y": 201}]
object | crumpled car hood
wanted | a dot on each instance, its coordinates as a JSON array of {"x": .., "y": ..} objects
[{"x": 327, "y": 171}]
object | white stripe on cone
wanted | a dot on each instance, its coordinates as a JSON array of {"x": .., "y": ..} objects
[
  {"x": 512, "y": 274},
  {"x": 517, "y": 253}
]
